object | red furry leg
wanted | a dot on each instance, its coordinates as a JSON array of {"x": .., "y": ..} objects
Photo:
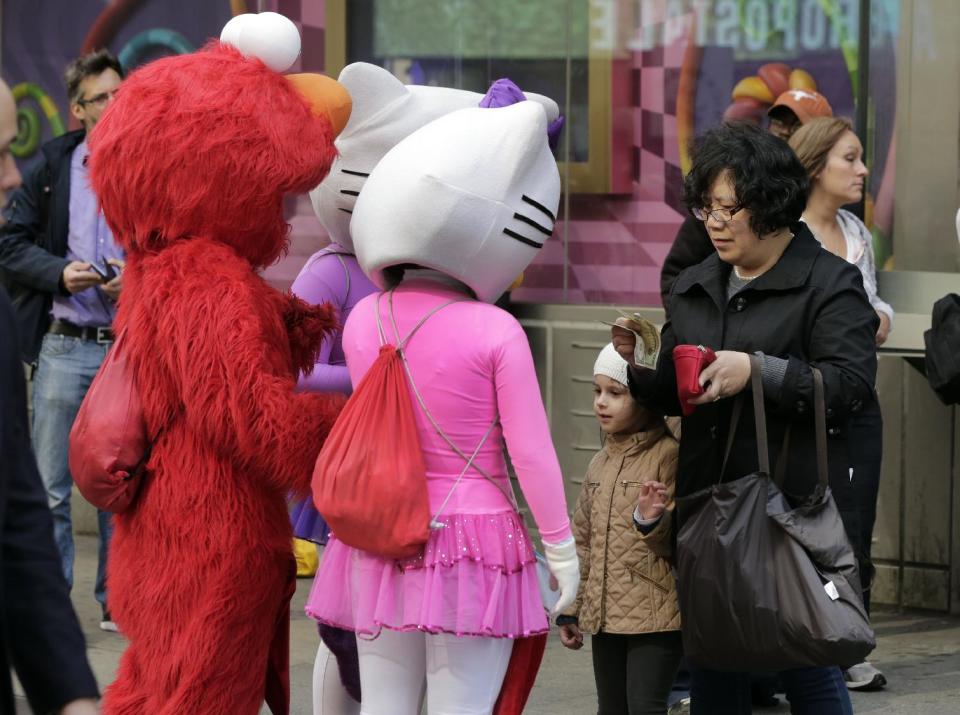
[
  {"x": 206, "y": 652},
  {"x": 125, "y": 695},
  {"x": 277, "y": 689}
]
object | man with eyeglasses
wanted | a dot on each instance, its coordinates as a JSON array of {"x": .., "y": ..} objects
[{"x": 63, "y": 271}]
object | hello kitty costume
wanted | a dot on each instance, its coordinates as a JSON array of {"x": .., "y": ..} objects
[{"x": 468, "y": 200}]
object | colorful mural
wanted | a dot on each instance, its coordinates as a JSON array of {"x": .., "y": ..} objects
[{"x": 41, "y": 38}]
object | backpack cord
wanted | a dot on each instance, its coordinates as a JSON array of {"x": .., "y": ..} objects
[{"x": 510, "y": 497}]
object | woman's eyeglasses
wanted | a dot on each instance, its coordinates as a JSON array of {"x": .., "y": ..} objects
[
  {"x": 98, "y": 99},
  {"x": 722, "y": 215}
]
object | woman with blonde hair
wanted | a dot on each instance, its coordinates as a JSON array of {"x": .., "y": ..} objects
[{"x": 831, "y": 153}]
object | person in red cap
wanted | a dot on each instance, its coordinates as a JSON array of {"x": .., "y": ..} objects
[{"x": 793, "y": 109}]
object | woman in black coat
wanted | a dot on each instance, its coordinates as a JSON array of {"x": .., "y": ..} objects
[{"x": 769, "y": 289}]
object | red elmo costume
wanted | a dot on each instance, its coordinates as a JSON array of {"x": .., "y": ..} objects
[{"x": 190, "y": 164}]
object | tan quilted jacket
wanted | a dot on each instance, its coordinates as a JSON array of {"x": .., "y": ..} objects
[{"x": 624, "y": 586}]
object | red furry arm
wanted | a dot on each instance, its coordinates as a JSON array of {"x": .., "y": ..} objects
[
  {"x": 307, "y": 326},
  {"x": 238, "y": 381}
]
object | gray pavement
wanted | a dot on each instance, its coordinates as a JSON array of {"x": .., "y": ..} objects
[{"x": 918, "y": 652}]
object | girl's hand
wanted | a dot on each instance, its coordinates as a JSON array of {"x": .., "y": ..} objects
[
  {"x": 571, "y": 636},
  {"x": 724, "y": 377},
  {"x": 653, "y": 499}
]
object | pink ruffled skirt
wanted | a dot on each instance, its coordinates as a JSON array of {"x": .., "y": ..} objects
[{"x": 477, "y": 576}]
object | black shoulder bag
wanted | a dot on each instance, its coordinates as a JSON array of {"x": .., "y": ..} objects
[{"x": 764, "y": 586}]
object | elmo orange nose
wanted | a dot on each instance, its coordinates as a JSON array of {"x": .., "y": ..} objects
[{"x": 326, "y": 96}]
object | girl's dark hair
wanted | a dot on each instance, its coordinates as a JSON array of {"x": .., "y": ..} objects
[
  {"x": 89, "y": 65},
  {"x": 769, "y": 180}
]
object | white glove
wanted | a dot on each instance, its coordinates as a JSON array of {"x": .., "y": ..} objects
[{"x": 565, "y": 568}]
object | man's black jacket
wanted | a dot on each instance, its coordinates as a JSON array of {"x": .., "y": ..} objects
[
  {"x": 33, "y": 243},
  {"x": 39, "y": 633}
]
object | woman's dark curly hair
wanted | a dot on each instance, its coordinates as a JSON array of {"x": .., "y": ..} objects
[{"x": 770, "y": 181}]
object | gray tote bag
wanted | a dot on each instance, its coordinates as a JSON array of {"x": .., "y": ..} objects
[{"x": 765, "y": 586}]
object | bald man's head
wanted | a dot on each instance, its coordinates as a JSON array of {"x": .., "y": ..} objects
[{"x": 9, "y": 174}]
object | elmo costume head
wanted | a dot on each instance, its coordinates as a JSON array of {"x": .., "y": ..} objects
[{"x": 211, "y": 141}]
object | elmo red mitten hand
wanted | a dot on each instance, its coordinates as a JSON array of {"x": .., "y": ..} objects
[{"x": 307, "y": 326}]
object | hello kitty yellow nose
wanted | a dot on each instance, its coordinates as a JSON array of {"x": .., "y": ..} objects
[{"x": 326, "y": 96}]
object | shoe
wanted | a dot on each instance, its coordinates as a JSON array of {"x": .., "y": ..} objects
[
  {"x": 106, "y": 622},
  {"x": 864, "y": 677},
  {"x": 681, "y": 707}
]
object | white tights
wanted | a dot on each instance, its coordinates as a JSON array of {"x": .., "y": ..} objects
[
  {"x": 329, "y": 695},
  {"x": 462, "y": 674}
]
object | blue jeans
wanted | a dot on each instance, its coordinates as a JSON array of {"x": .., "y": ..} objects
[
  {"x": 811, "y": 691},
  {"x": 65, "y": 369}
]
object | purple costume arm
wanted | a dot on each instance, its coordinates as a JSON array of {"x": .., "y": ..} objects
[{"x": 323, "y": 280}]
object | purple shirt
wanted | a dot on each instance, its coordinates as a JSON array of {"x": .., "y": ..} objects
[
  {"x": 331, "y": 276},
  {"x": 88, "y": 240}
]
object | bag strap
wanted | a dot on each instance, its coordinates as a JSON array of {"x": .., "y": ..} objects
[
  {"x": 820, "y": 416},
  {"x": 468, "y": 461},
  {"x": 780, "y": 471},
  {"x": 434, "y": 520},
  {"x": 759, "y": 417},
  {"x": 734, "y": 421},
  {"x": 401, "y": 343},
  {"x": 820, "y": 433},
  {"x": 346, "y": 271}
]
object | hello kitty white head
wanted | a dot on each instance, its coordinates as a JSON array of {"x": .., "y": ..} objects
[
  {"x": 473, "y": 194},
  {"x": 384, "y": 111}
]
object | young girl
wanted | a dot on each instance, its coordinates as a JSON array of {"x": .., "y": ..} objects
[{"x": 627, "y": 598}]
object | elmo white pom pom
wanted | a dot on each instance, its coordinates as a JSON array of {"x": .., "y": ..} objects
[
  {"x": 230, "y": 35},
  {"x": 272, "y": 38}
]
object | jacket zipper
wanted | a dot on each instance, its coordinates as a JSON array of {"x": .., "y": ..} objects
[
  {"x": 606, "y": 552},
  {"x": 626, "y": 484}
]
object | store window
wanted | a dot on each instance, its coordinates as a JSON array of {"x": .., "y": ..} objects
[{"x": 637, "y": 80}]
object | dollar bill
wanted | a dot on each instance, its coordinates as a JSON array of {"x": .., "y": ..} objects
[{"x": 647, "y": 349}]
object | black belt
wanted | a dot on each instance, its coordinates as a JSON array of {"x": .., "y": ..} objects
[{"x": 101, "y": 335}]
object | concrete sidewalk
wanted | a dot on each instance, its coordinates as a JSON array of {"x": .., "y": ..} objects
[{"x": 919, "y": 653}]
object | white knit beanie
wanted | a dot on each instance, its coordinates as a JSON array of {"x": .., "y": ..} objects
[{"x": 610, "y": 364}]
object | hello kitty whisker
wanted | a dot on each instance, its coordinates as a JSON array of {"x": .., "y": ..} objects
[
  {"x": 538, "y": 205},
  {"x": 530, "y": 222},
  {"x": 522, "y": 239}
]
